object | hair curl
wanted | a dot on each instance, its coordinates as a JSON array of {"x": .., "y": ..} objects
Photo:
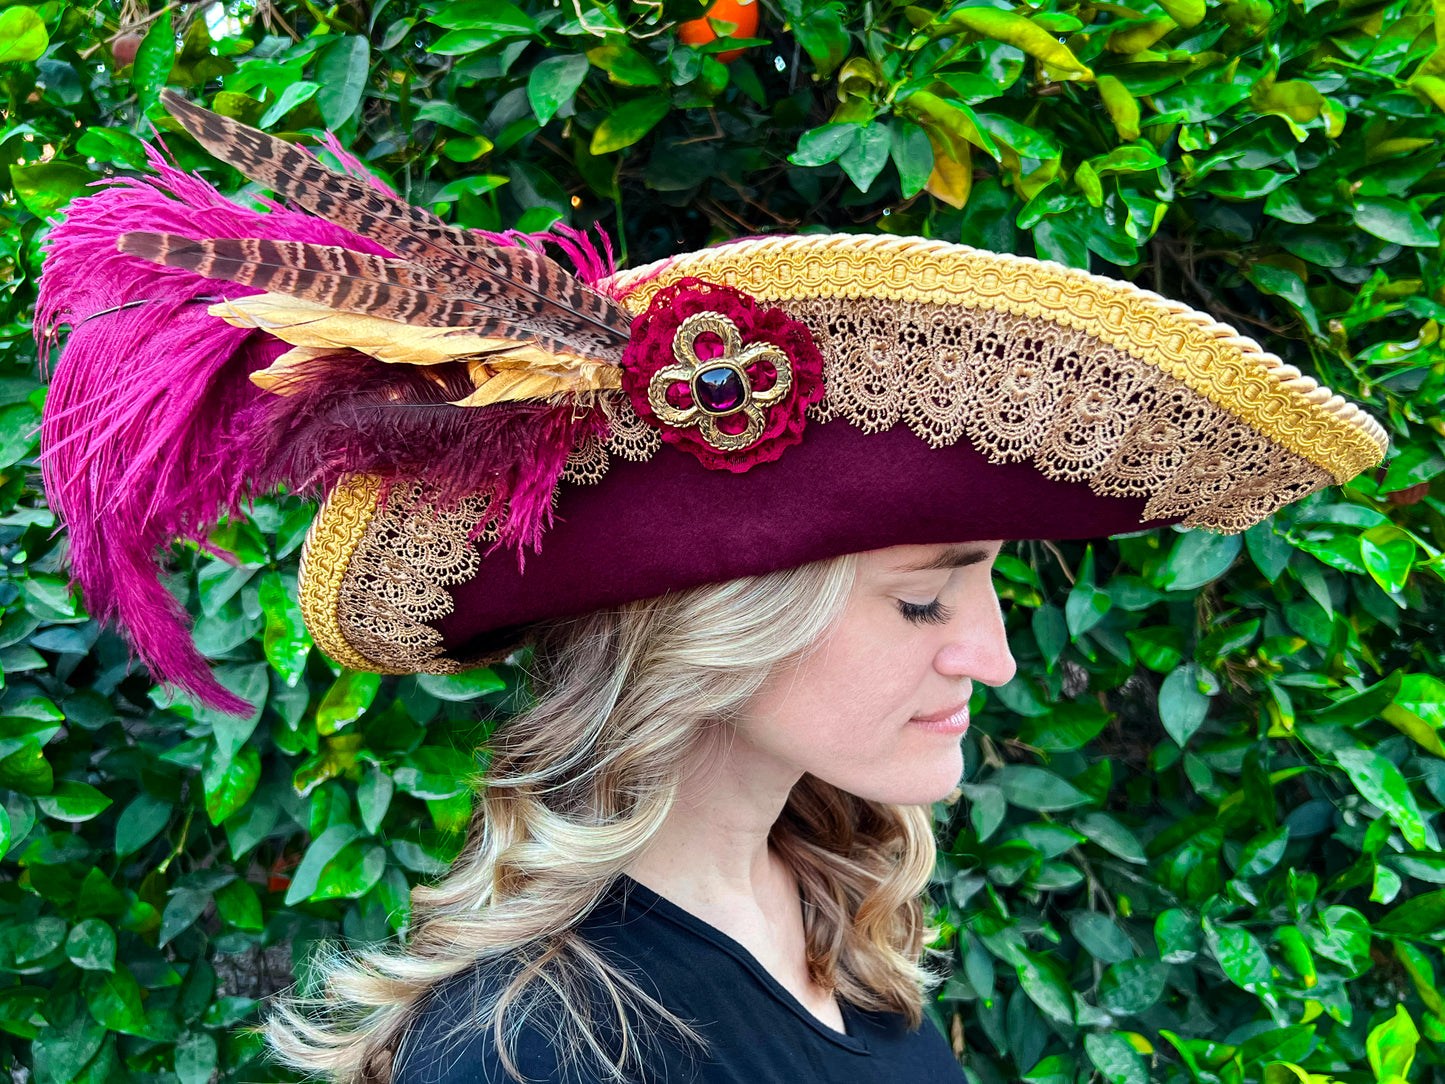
[{"x": 626, "y": 701}]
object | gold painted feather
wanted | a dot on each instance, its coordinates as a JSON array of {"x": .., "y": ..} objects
[{"x": 501, "y": 369}]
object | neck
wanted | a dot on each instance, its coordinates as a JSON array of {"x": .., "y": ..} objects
[{"x": 712, "y": 850}]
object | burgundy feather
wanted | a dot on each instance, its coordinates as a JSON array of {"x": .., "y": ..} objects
[{"x": 152, "y": 430}]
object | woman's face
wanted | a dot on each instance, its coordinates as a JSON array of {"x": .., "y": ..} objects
[{"x": 878, "y": 708}]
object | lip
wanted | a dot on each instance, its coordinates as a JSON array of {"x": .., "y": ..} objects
[{"x": 952, "y": 720}]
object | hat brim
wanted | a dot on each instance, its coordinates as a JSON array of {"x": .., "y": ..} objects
[{"x": 970, "y": 396}]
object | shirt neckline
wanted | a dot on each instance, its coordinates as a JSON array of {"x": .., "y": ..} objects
[{"x": 633, "y": 891}]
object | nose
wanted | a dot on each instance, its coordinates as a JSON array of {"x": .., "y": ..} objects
[{"x": 976, "y": 644}]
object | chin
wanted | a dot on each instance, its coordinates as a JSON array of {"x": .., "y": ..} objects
[{"x": 915, "y": 781}]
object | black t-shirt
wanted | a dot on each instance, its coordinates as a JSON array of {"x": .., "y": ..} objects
[{"x": 756, "y": 1031}]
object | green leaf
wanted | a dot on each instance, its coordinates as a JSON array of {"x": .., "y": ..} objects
[
  {"x": 1239, "y": 955},
  {"x": 1132, "y": 987},
  {"x": 1116, "y": 1060},
  {"x": 1100, "y": 936},
  {"x": 154, "y": 60},
  {"x": 1422, "y": 914},
  {"x": 140, "y": 822},
  {"x": 821, "y": 33},
  {"x": 912, "y": 153},
  {"x": 1159, "y": 647},
  {"x": 1418, "y": 710},
  {"x": 629, "y": 123},
  {"x": 251, "y": 683},
  {"x": 1198, "y": 558},
  {"x": 624, "y": 65},
  {"x": 1016, "y": 30},
  {"x": 114, "y": 999},
  {"x": 1043, "y": 981},
  {"x": 819, "y": 146},
  {"x": 495, "y": 15},
  {"x": 45, "y": 188},
  {"x": 73, "y": 802},
  {"x": 1064, "y": 727},
  {"x": 342, "y": 73},
  {"x": 1127, "y": 159},
  {"x": 238, "y": 905},
  {"x": 867, "y": 156},
  {"x": 1037, "y": 788},
  {"x": 289, "y": 99},
  {"x": 373, "y": 797},
  {"x": 346, "y": 701},
  {"x": 1186, "y": 13},
  {"x": 60, "y": 1053},
  {"x": 1176, "y": 934},
  {"x": 1382, "y": 785},
  {"x": 22, "y": 35},
  {"x": 353, "y": 872},
  {"x": 1394, "y": 220},
  {"x": 114, "y": 145},
  {"x": 1388, "y": 555},
  {"x": 228, "y": 788},
  {"x": 287, "y": 642},
  {"x": 38, "y": 939},
  {"x": 986, "y": 808},
  {"x": 91, "y": 945},
  {"x": 1085, "y": 607},
  {"x": 195, "y": 1058},
  {"x": 183, "y": 908},
  {"x": 434, "y": 771},
  {"x": 1269, "y": 549},
  {"x": 554, "y": 82},
  {"x": 1391, "y": 1047},
  {"x": 322, "y": 850},
  {"x": 476, "y": 185},
  {"x": 1182, "y": 706},
  {"x": 1262, "y": 853},
  {"x": 1103, "y": 829},
  {"x": 1025, "y": 141},
  {"x": 467, "y": 685},
  {"x": 441, "y": 111}
]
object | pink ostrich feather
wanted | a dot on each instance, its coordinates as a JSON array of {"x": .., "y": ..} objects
[{"x": 153, "y": 430}]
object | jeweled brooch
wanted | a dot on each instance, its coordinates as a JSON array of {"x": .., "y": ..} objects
[{"x": 722, "y": 376}]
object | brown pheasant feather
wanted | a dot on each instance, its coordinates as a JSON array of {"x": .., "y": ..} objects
[{"x": 521, "y": 287}]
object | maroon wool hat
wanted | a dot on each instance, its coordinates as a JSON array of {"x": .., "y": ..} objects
[{"x": 502, "y": 441}]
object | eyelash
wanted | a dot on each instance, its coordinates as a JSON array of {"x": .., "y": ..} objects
[{"x": 927, "y": 613}]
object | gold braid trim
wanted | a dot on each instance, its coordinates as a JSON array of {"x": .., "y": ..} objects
[
  {"x": 335, "y": 533},
  {"x": 1229, "y": 369}
]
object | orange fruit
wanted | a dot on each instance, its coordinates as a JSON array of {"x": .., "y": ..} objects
[{"x": 742, "y": 13}]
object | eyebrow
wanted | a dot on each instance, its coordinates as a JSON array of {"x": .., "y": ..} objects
[{"x": 953, "y": 557}]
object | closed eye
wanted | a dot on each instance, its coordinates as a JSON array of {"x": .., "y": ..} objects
[{"x": 925, "y": 613}]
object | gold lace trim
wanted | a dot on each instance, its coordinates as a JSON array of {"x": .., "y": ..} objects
[
  {"x": 395, "y": 584},
  {"x": 1089, "y": 379},
  {"x": 1231, "y": 370},
  {"x": 326, "y": 556}
]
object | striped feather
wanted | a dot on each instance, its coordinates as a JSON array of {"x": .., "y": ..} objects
[{"x": 522, "y": 285}]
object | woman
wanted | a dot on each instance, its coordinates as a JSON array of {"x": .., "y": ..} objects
[{"x": 744, "y": 503}]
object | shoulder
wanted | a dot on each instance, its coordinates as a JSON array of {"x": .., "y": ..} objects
[{"x": 450, "y": 1039}]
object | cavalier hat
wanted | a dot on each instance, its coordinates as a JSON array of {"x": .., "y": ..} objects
[{"x": 500, "y": 440}]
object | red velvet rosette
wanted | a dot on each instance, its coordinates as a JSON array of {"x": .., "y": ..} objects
[{"x": 719, "y": 386}]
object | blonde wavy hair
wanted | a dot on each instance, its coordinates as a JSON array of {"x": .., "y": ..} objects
[{"x": 627, "y": 701}]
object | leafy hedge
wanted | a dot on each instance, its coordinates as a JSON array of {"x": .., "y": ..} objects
[{"x": 1199, "y": 839}]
